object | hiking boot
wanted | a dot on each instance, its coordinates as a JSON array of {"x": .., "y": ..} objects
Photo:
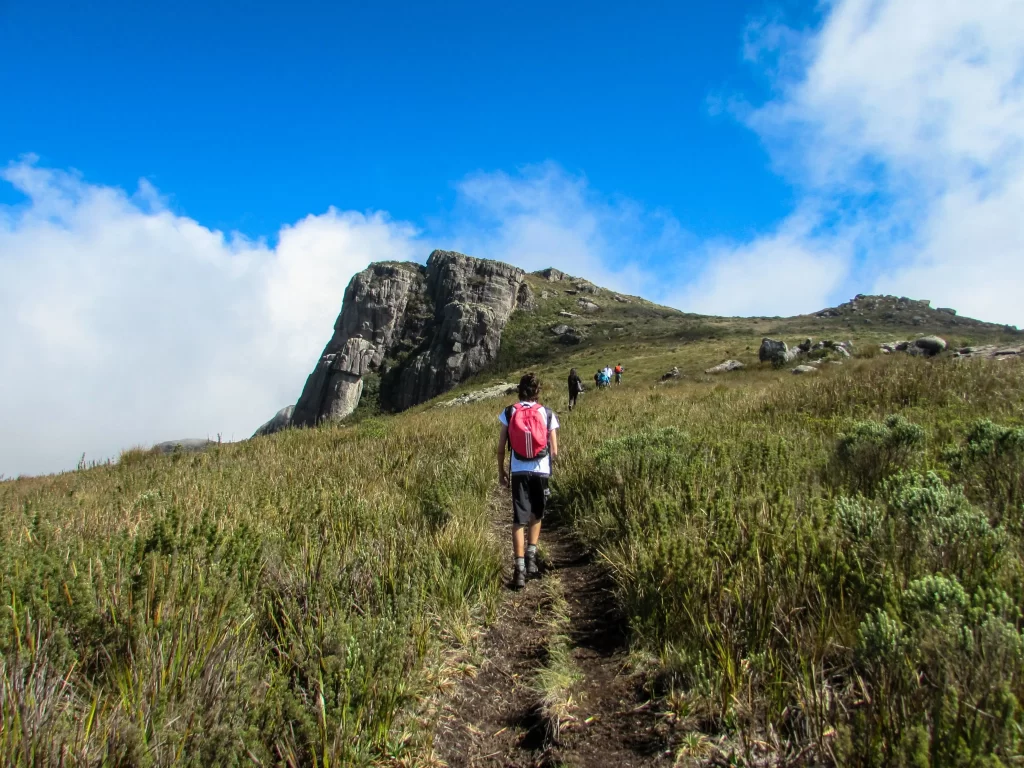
[
  {"x": 518, "y": 579},
  {"x": 532, "y": 571}
]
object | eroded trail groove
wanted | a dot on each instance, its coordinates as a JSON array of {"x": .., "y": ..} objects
[{"x": 494, "y": 718}]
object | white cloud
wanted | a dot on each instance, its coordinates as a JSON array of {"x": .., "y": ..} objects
[
  {"x": 788, "y": 272},
  {"x": 125, "y": 324},
  {"x": 545, "y": 217},
  {"x": 908, "y": 115}
]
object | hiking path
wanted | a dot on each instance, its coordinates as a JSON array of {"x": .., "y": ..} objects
[{"x": 493, "y": 718}]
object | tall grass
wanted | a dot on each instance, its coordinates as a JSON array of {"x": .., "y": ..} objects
[
  {"x": 868, "y": 617},
  {"x": 287, "y": 601},
  {"x": 275, "y": 602}
]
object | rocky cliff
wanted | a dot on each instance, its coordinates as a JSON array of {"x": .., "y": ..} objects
[{"x": 418, "y": 330}]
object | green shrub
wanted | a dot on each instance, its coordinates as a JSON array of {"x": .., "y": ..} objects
[
  {"x": 872, "y": 451},
  {"x": 991, "y": 463}
]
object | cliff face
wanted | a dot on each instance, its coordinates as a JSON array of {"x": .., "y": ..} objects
[{"x": 422, "y": 330}]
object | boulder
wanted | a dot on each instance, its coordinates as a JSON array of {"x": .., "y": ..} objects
[
  {"x": 806, "y": 345},
  {"x": 558, "y": 330},
  {"x": 673, "y": 374},
  {"x": 281, "y": 420},
  {"x": 728, "y": 365},
  {"x": 805, "y": 369},
  {"x": 930, "y": 345},
  {"x": 587, "y": 305},
  {"x": 774, "y": 351}
]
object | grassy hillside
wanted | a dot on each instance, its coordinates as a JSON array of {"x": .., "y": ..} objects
[{"x": 800, "y": 574}]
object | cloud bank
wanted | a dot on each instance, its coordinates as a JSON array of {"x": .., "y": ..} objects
[{"x": 126, "y": 324}]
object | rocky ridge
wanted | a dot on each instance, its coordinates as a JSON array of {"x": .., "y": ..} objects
[
  {"x": 901, "y": 310},
  {"x": 419, "y": 330}
]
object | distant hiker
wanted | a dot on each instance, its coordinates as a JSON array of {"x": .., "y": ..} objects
[
  {"x": 531, "y": 431},
  {"x": 597, "y": 379},
  {"x": 618, "y": 374},
  {"x": 575, "y": 387}
]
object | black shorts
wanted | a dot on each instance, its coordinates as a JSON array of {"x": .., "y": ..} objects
[{"x": 529, "y": 497}]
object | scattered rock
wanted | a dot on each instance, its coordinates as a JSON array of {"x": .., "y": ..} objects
[
  {"x": 990, "y": 352},
  {"x": 588, "y": 306},
  {"x": 806, "y": 345},
  {"x": 187, "y": 445},
  {"x": 551, "y": 274},
  {"x": 498, "y": 390},
  {"x": 281, "y": 420},
  {"x": 567, "y": 314},
  {"x": 567, "y": 334},
  {"x": 620, "y": 299},
  {"x": 946, "y": 310},
  {"x": 585, "y": 286},
  {"x": 728, "y": 365},
  {"x": 673, "y": 374},
  {"x": 805, "y": 369}
]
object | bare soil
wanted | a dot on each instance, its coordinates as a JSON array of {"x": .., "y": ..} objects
[{"x": 492, "y": 719}]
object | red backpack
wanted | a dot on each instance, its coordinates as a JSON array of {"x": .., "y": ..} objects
[{"x": 528, "y": 431}]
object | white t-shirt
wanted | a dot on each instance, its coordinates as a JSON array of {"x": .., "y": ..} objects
[{"x": 537, "y": 466}]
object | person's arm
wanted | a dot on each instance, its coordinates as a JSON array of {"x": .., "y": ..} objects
[
  {"x": 553, "y": 442},
  {"x": 502, "y": 442}
]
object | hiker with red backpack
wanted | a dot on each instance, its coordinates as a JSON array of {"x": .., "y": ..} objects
[{"x": 531, "y": 431}]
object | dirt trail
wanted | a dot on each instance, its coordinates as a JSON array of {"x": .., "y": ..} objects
[{"x": 492, "y": 719}]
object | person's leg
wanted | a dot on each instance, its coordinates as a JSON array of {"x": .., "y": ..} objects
[
  {"x": 538, "y": 501},
  {"x": 521, "y": 516}
]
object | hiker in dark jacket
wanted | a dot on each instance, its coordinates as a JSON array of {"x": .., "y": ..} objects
[{"x": 575, "y": 387}]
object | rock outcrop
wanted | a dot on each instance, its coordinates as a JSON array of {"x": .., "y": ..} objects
[
  {"x": 421, "y": 330},
  {"x": 281, "y": 420}
]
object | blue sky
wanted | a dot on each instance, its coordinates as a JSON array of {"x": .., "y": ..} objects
[
  {"x": 251, "y": 118},
  {"x": 186, "y": 189}
]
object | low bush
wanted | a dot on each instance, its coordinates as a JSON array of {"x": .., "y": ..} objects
[
  {"x": 871, "y": 451},
  {"x": 991, "y": 461}
]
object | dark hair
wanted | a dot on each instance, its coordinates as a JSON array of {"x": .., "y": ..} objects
[
  {"x": 529, "y": 387},
  {"x": 572, "y": 372}
]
